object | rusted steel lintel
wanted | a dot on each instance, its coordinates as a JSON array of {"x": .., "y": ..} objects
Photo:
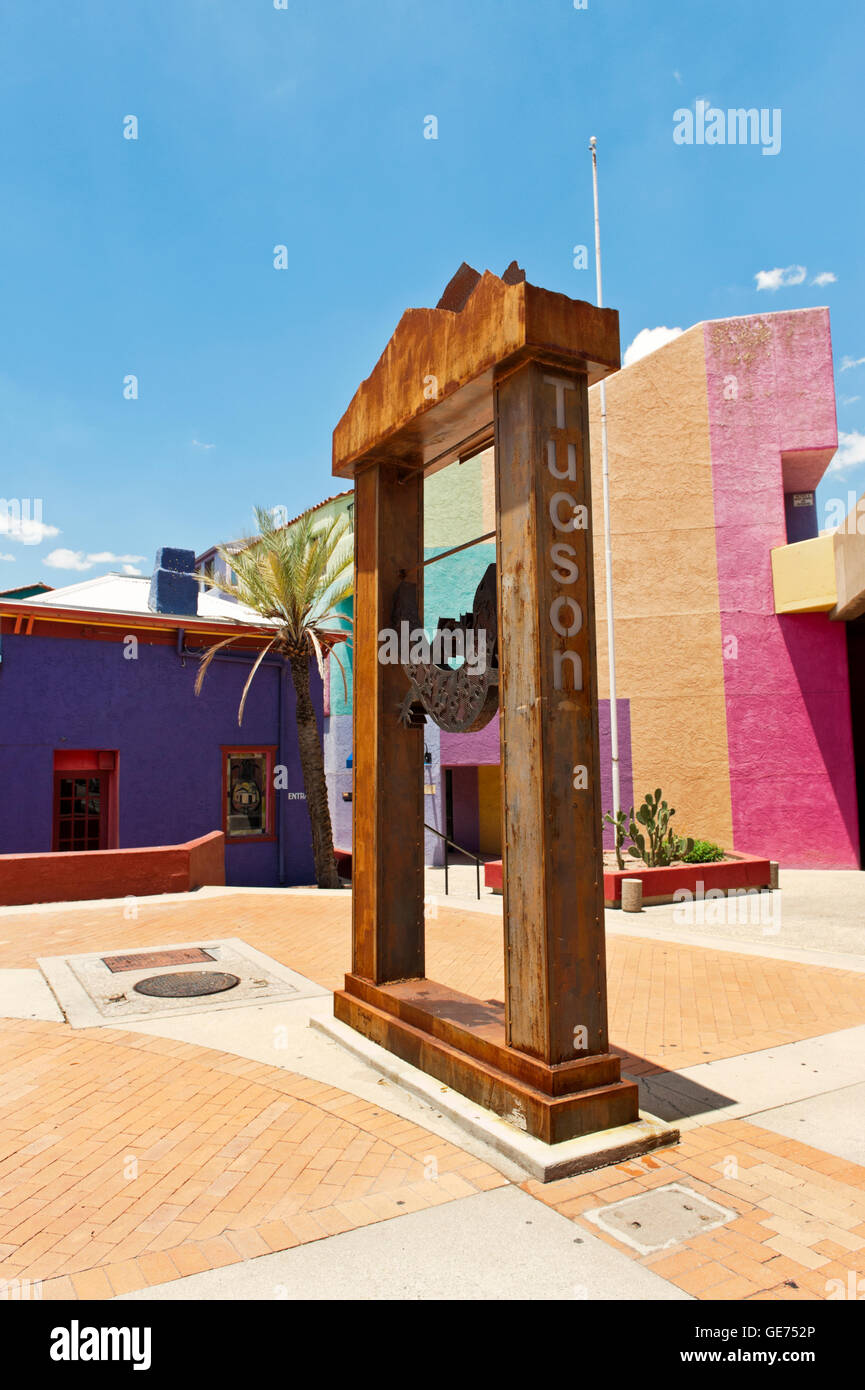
[{"x": 475, "y": 443}]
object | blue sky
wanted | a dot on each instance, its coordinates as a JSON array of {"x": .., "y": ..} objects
[{"x": 304, "y": 126}]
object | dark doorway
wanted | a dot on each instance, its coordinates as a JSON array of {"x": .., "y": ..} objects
[{"x": 449, "y": 803}]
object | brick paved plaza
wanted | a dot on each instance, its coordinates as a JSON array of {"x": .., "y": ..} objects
[{"x": 132, "y": 1160}]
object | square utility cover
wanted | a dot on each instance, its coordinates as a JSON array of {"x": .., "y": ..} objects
[
  {"x": 660, "y": 1217},
  {"x": 100, "y": 988}
]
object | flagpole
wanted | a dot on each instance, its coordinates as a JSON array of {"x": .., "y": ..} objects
[{"x": 608, "y": 547}]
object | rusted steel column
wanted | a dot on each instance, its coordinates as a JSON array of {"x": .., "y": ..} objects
[
  {"x": 388, "y": 837},
  {"x": 556, "y": 1006}
]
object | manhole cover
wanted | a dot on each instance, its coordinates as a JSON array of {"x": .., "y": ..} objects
[
  {"x": 186, "y": 955},
  {"x": 187, "y": 985},
  {"x": 661, "y": 1217}
]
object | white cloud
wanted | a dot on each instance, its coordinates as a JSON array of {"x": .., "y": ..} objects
[
  {"x": 22, "y": 528},
  {"x": 851, "y": 452},
  {"x": 107, "y": 557},
  {"x": 646, "y": 341},
  {"x": 131, "y": 569},
  {"x": 848, "y": 362},
  {"x": 826, "y": 277},
  {"x": 777, "y": 279},
  {"x": 678, "y": 76},
  {"x": 78, "y": 560},
  {"x": 198, "y": 444},
  {"x": 850, "y": 400},
  {"x": 67, "y": 560},
  {"x": 7, "y": 557}
]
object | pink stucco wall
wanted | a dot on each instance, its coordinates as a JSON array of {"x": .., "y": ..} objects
[{"x": 772, "y": 428}]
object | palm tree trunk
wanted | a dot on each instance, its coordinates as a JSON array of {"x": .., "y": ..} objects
[{"x": 314, "y": 781}]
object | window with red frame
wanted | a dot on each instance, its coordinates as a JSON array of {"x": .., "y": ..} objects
[{"x": 247, "y": 780}]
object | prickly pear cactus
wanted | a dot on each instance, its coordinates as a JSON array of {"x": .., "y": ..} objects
[{"x": 660, "y": 845}]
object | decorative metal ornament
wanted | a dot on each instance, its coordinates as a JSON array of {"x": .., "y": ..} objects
[{"x": 457, "y": 699}]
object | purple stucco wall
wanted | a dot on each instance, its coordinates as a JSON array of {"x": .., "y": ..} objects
[
  {"x": 472, "y": 750},
  {"x": 59, "y": 693}
]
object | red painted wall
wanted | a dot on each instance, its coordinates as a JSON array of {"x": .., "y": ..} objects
[{"x": 112, "y": 873}]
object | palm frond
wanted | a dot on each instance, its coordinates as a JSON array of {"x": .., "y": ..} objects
[
  {"x": 335, "y": 658},
  {"x": 261, "y": 655},
  {"x": 206, "y": 660},
  {"x": 294, "y": 578}
]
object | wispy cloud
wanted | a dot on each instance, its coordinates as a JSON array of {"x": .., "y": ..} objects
[
  {"x": 851, "y": 452},
  {"x": 848, "y": 362},
  {"x": 646, "y": 341},
  {"x": 27, "y": 531},
  {"x": 7, "y": 557},
  {"x": 79, "y": 560},
  {"x": 783, "y": 276},
  {"x": 198, "y": 444},
  {"x": 778, "y": 279},
  {"x": 678, "y": 76}
]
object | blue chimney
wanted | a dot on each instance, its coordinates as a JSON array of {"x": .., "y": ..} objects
[{"x": 174, "y": 585}]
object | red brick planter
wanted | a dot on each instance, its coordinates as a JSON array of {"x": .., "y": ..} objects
[
  {"x": 659, "y": 885},
  {"x": 493, "y": 875}
]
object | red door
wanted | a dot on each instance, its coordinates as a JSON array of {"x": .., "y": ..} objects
[{"x": 80, "y": 810}]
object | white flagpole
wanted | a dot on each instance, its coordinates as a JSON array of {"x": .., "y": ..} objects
[{"x": 608, "y": 549}]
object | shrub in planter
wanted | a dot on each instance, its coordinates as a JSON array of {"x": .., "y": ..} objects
[{"x": 703, "y": 852}]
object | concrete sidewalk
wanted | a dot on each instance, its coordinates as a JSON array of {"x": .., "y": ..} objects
[
  {"x": 814, "y": 911},
  {"x": 496, "y": 1245}
]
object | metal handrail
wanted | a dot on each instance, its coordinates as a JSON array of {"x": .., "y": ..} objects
[{"x": 460, "y": 850}]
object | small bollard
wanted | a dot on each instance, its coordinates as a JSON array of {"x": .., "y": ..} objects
[
  {"x": 632, "y": 895},
  {"x": 773, "y": 874}
]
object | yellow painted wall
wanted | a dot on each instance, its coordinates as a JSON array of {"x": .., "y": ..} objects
[
  {"x": 803, "y": 576},
  {"x": 489, "y": 809},
  {"x": 669, "y": 656}
]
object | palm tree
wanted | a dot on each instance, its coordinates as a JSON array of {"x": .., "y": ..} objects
[{"x": 293, "y": 576}]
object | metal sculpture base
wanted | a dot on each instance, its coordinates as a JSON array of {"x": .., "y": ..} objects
[{"x": 461, "y": 1041}]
